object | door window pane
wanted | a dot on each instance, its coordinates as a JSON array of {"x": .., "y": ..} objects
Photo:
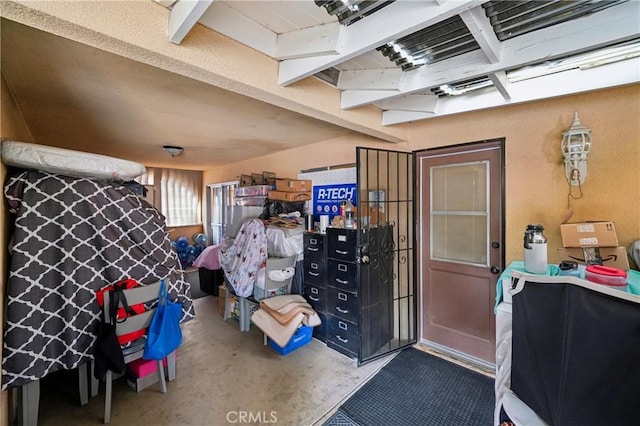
[{"x": 459, "y": 217}]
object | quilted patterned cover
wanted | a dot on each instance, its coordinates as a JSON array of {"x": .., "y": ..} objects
[{"x": 72, "y": 237}]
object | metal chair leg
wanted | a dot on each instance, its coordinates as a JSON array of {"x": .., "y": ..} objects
[
  {"x": 29, "y": 401},
  {"x": 107, "y": 397},
  {"x": 163, "y": 383},
  {"x": 83, "y": 383},
  {"x": 171, "y": 366}
]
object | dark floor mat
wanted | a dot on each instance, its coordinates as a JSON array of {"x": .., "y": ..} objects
[{"x": 416, "y": 388}]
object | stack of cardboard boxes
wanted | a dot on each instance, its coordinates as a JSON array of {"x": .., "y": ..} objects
[
  {"x": 291, "y": 190},
  {"x": 592, "y": 243}
]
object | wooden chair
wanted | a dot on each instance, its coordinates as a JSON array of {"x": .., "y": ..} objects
[
  {"x": 142, "y": 294},
  {"x": 273, "y": 264}
]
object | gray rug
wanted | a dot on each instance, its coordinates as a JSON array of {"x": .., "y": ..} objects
[{"x": 416, "y": 388}]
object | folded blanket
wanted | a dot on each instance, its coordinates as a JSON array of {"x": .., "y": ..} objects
[
  {"x": 286, "y": 312},
  {"x": 279, "y": 317}
]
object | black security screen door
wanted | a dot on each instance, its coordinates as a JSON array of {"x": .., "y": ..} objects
[{"x": 386, "y": 240}]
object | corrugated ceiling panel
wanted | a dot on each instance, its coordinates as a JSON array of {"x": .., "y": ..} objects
[{"x": 513, "y": 18}]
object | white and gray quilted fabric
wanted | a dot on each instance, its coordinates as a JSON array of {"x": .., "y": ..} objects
[{"x": 72, "y": 237}]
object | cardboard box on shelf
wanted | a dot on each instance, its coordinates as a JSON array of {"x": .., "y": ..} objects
[
  {"x": 293, "y": 185},
  {"x": 615, "y": 257},
  {"x": 589, "y": 234},
  {"x": 289, "y": 196}
]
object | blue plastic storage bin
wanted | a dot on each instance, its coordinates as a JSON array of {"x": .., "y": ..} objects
[{"x": 300, "y": 338}]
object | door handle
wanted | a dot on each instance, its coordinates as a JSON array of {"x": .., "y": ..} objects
[{"x": 495, "y": 270}]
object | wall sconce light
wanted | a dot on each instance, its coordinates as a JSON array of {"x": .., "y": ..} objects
[
  {"x": 173, "y": 151},
  {"x": 576, "y": 143}
]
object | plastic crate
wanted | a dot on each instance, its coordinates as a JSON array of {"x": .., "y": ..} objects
[
  {"x": 251, "y": 201},
  {"x": 302, "y": 336},
  {"x": 252, "y": 191}
]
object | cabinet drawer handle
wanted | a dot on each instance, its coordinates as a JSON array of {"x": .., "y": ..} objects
[
  {"x": 342, "y": 252},
  {"x": 315, "y": 299},
  {"x": 341, "y": 339},
  {"x": 342, "y": 311},
  {"x": 314, "y": 290},
  {"x": 339, "y": 281},
  {"x": 314, "y": 274},
  {"x": 313, "y": 248}
]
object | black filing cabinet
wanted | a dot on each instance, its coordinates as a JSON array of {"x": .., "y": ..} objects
[
  {"x": 352, "y": 296},
  {"x": 315, "y": 279}
]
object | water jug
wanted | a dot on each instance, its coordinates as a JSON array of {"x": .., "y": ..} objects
[
  {"x": 349, "y": 222},
  {"x": 535, "y": 250}
]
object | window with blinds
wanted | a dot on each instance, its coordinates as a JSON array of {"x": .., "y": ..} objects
[{"x": 176, "y": 193}]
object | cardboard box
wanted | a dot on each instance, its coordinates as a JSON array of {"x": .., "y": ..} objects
[
  {"x": 140, "y": 383},
  {"x": 293, "y": 185},
  {"x": 289, "y": 196},
  {"x": 615, "y": 257},
  {"x": 589, "y": 234}
]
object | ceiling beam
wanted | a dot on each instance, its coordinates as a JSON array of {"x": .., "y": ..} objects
[
  {"x": 420, "y": 103},
  {"x": 373, "y": 79},
  {"x": 165, "y": 3},
  {"x": 549, "y": 86},
  {"x": 611, "y": 26},
  {"x": 184, "y": 15},
  {"x": 231, "y": 23},
  {"x": 312, "y": 41},
  {"x": 397, "y": 20},
  {"x": 501, "y": 83},
  {"x": 350, "y": 99},
  {"x": 392, "y": 117},
  {"x": 482, "y": 31}
]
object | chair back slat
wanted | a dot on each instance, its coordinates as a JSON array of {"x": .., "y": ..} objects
[
  {"x": 274, "y": 264},
  {"x": 142, "y": 294}
]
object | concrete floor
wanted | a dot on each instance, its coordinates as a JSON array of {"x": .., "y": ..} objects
[{"x": 224, "y": 377}]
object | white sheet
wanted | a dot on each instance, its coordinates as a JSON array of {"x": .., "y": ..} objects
[
  {"x": 285, "y": 242},
  {"x": 68, "y": 162}
]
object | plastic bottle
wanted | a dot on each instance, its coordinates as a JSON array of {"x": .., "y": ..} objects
[{"x": 348, "y": 215}]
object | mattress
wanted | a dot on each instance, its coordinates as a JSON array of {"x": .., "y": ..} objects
[
  {"x": 68, "y": 162},
  {"x": 72, "y": 237}
]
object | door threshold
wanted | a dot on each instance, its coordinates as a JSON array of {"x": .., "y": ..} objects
[{"x": 464, "y": 360}]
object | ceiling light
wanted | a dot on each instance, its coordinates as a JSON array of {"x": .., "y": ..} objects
[{"x": 172, "y": 150}]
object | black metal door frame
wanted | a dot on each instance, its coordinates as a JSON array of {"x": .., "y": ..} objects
[{"x": 387, "y": 284}]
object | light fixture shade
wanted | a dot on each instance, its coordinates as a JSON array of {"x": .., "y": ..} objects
[
  {"x": 173, "y": 150},
  {"x": 576, "y": 144}
]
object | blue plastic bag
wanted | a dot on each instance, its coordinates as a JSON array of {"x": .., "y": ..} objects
[{"x": 164, "y": 334}]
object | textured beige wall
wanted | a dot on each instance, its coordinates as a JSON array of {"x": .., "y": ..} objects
[
  {"x": 536, "y": 189},
  {"x": 12, "y": 127}
]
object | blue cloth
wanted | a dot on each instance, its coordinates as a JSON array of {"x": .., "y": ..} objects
[
  {"x": 518, "y": 265},
  {"x": 633, "y": 278}
]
